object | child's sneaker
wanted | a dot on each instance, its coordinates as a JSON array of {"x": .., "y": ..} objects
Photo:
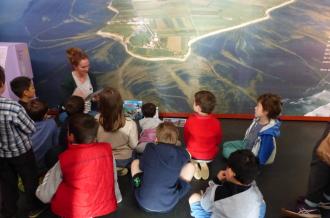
[
  {"x": 205, "y": 173},
  {"x": 302, "y": 210}
]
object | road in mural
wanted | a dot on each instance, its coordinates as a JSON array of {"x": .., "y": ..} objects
[{"x": 165, "y": 50}]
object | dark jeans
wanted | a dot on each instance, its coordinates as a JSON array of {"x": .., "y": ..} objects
[
  {"x": 124, "y": 163},
  {"x": 10, "y": 168},
  {"x": 319, "y": 175}
]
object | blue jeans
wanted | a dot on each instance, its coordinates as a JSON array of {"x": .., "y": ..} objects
[
  {"x": 198, "y": 211},
  {"x": 124, "y": 163}
]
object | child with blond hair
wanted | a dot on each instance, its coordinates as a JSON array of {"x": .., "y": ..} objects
[{"x": 161, "y": 176}]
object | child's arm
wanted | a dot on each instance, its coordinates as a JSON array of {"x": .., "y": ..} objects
[
  {"x": 52, "y": 180},
  {"x": 207, "y": 200},
  {"x": 266, "y": 148},
  {"x": 24, "y": 122},
  {"x": 133, "y": 138}
]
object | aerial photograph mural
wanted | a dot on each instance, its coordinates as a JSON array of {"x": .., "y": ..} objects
[{"x": 163, "y": 51}]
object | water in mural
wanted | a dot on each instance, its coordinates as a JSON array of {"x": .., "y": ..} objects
[{"x": 165, "y": 50}]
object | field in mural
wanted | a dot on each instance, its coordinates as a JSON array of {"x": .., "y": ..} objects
[{"x": 165, "y": 50}]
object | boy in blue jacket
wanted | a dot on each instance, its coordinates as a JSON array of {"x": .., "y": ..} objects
[{"x": 260, "y": 136}]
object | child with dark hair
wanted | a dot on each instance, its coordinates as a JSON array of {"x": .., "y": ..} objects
[
  {"x": 16, "y": 156},
  {"x": 260, "y": 136},
  {"x": 162, "y": 175},
  {"x": 81, "y": 184},
  {"x": 23, "y": 88},
  {"x": 203, "y": 133},
  {"x": 46, "y": 135},
  {"x": 74, "y": 105},
  {"x": 233, "y": 193},
  {"x": 148, "y": 125}
]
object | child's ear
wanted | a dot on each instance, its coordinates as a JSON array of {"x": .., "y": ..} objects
[
  {"x": 25, "y": 93},
  {"x": 2, "y": 88},
  {"x": 70, "y": 138},
  {"x": 230, "y": 173},
  {"x": 156, "y": 140}
]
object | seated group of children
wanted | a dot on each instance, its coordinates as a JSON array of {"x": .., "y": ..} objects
[{"x": 85, "y": 153}]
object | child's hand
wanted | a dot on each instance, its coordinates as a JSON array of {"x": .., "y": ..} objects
[{"x": 222, "y": 175}]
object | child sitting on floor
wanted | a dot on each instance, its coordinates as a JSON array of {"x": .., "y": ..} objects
[
  {"x": 81, "y": 184},
  {"x": 46, "y": 135},
  {"x": 148, "y": 125},
  {"x": 202, "y": 133},
  {"x": 260, "y": 136},
  {"x": 161, "y": 177},
  {"x": 23, "y": 88},
  {"x": 74, "y": 105},
  {"x": 116, "y": 129},
  {"x": 233, "y": 193}
]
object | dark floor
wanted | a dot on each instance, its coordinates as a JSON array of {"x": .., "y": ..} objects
[{"x": 281, "y": 183}]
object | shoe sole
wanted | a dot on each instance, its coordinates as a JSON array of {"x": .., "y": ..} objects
[
  {"x": 289, "y": 213},
  {"x": 39, "y": 212},
  {"x": 122, "y": 171},
  {"x": 325, "y": 207},
  {"x": 205, "y": 173},
  {"x": 197, "y": 174}
]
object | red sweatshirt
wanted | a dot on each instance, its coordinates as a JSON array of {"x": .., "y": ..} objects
[{"x": 202, "y": 136}]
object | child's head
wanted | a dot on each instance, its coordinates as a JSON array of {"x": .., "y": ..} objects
[
  {"x": 2, "y": 80},
  {"x": 204, "y": 102},
  {"x": 243, "y": 166},
  {"x": 37, "y": 109},
  {"x": 82, "y": 128},
  {"x": 149, "y": 110},
  {"x": 74, "y": 105},
  {"x": 167, "y": 133},
  {"x": 111, "y": 109},
  {"x": 268, "y": 105},
  {"x": 23, "y": 87}
]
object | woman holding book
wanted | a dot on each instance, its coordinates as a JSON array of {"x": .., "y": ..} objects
[{"x": 79, "y": 82}]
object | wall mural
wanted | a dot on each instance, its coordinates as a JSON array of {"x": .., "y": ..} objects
[{"x": 165, "y": 50}]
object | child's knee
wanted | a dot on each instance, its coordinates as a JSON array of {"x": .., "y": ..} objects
[
  {"x": 187, "y": 172},
  {"x": 195, "y": 198}
]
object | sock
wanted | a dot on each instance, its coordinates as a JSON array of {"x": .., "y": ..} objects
[{"x": 136, "y": 181}]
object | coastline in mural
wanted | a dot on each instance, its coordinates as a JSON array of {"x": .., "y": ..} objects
[{"x": 282, "y": 53}]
